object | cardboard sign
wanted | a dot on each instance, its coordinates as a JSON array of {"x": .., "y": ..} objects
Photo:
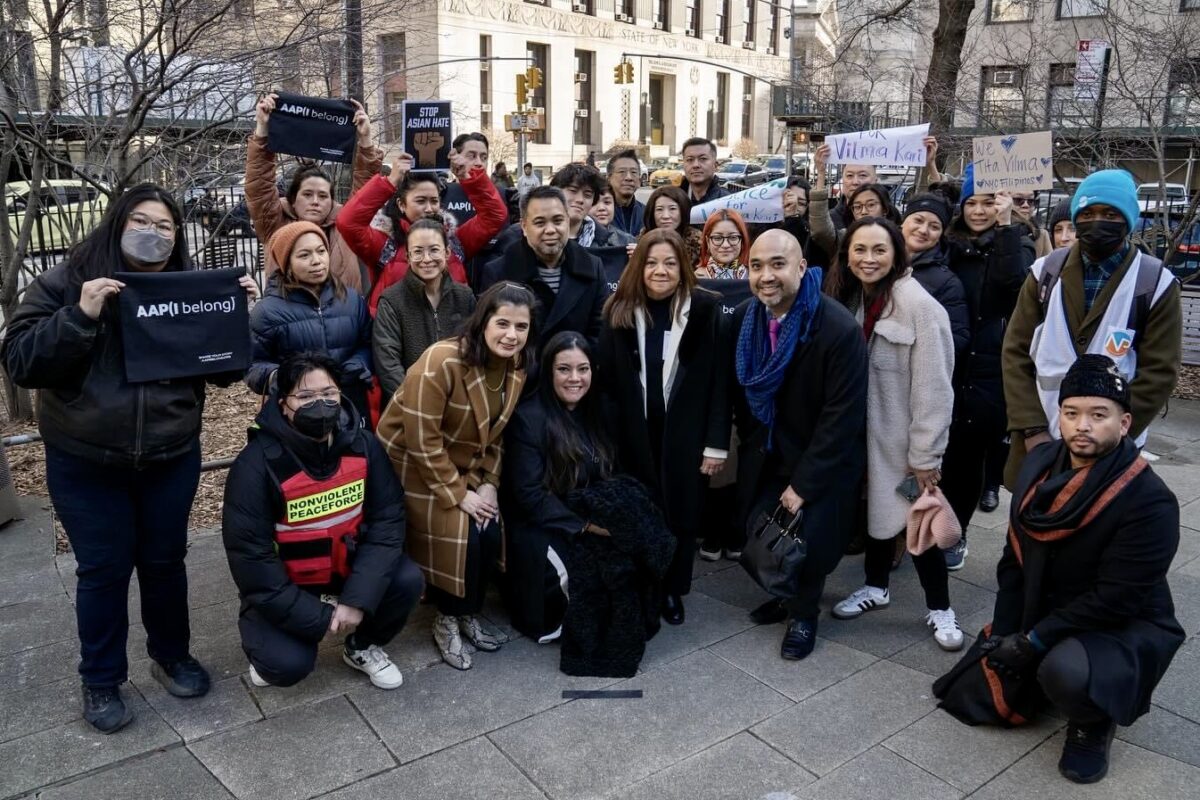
[
  {"x": 312, "y": 127},
  {"x": 886, "y": 147},
  {"x": 757, "y": 204},
  {"x": 427, "y": 133},
  {"x": 183, "y": 324},
  {"x": 1019, "y": 162}
]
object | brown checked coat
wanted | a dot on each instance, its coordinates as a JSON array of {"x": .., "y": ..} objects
[{"x": 437, "y": 431}]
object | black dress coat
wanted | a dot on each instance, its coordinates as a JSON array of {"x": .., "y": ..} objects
[
  {"x": 819, "y": 446},
  {"x": 697, "y": 410},
  {"x": 1105, "y": 585}
]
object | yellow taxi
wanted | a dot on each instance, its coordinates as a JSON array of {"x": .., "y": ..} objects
[{"x": 667, "y": 172}]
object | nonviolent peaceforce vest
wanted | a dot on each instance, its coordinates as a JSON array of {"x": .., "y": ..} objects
[{"x": 1052, "y": 348}]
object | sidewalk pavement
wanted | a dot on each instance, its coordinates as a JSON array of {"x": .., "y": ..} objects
[{"x": 722, "y": 715}]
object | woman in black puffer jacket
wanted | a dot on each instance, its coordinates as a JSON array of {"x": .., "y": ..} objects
[{"x": 307, "y": 308}]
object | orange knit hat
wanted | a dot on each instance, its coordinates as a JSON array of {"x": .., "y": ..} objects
[{"x": 284, "y": 239}]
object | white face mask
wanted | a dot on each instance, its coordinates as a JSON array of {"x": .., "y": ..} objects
[{"x": 146, "y": 247}]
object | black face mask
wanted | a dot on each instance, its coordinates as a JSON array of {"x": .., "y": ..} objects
[
  {"x": 1099, "y": 239},
  {"x": 317, "y": 419}
]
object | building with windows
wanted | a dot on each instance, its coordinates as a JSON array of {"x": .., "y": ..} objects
[{"x": 700, "y": 68}]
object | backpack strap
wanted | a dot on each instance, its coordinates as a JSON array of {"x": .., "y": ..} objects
[
  {"x": 1052, "y": 267},
  {"x": 1149, "y": 274}
]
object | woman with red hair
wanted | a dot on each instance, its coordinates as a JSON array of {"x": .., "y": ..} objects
[{"x": 724, "y": 247}]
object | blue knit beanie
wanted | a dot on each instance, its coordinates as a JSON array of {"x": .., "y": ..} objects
[
  {"x": 968, "y": 187},
  {"x": 1110, "y": 187}
]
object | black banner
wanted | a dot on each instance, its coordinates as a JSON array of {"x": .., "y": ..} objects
[
  {"x": 613, "y": 261},
  {"x": 183, "y": 324},
  {"x": 428, "y": 133},
  {"x": 733, "y": 293},
  {"x": 312, "y": 127}
]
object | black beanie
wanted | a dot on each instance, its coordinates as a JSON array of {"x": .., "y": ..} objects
[
  {"x": 1095, "y": 375},
  {"x": 1061, "y": 213},
  {"x": 933, "y": 203}
]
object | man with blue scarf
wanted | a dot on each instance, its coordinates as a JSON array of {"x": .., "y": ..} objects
[{"x": 801, "y": 410}]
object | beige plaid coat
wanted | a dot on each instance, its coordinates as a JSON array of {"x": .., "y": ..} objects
[{"x": 437, "y": 432}]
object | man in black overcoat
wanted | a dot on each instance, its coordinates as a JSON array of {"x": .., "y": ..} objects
[
  {"x": 1083, "y": 597},
  {"x": 811, "y": 454}
]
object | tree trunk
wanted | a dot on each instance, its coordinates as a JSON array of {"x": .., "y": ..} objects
[{"x": 945, "y": 60}]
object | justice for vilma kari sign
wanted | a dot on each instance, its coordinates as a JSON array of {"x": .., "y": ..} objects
[
  {"x": 427, "y": 133},
  {"x": 183, "y": 324},
  {"x": 885, "y": 147}
]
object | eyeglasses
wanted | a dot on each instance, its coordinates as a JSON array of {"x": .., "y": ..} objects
[
  {"x": 1022, "y": 201},
  {"x": 720, "y": 241},
  {"x": 627, "y": 173},
  {"x": 330, "y": 395},
  {"x": 141, "y": 223},
  {"x": 866, "y": 208},
  {"x": 419, "y": 254}
]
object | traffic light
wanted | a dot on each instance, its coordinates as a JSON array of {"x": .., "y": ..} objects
[
  {"x": 522, "y": 91},
  {"x": 533, "y": 78},
  {"x": 628, "y": 65},
  {"x": 623, "y": 72}
]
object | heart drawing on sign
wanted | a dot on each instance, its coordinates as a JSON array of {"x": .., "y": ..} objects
[
  {"x": 1046, "y": 162},
  {"x": 1007, "y": 143}
]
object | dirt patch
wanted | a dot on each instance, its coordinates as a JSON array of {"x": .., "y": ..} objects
[
  {"x": 227, "y": 414},
  {"x": 1189, "y": 383}
]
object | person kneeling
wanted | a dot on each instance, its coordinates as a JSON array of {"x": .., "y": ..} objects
[
  {"x": 1084, "y": 616},
  {"x": 313, "y": 525}
]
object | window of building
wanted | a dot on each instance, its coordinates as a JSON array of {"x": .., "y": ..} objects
[
  {"x": 485, "y": 82},
  {"x": 773, "y": 28},
  {"x": 290, "y": 79},
  {"x": 1064, "y": 110},
  {"x": 722, "y": 26},
  {"x": 394, "y": 125},
  {"x": 662, "y": 15},
  {"x": 391, "y": 53},
  {"x": 539, "y": 55},
  {"x": 750, "y": 18},
  {"x": 1189, "y": 5},
  {"x": 18, "y": 68},
  {"x": 625, "y": 11},
  {"x": 1068, "y": 9},
  {"x": 584, "y": 65},
  {"x": 691, "y": 18},
  {"x": 1002, "y": 102},
  {"x": 1183, "y": 93},
  {"x": 722, "y": 107},
  {"x": 1010, "y": 10},
  {"x": 747, "y": 107}
]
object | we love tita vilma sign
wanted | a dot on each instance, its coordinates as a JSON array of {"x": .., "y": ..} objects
[{"x": 1020, "y": 162}]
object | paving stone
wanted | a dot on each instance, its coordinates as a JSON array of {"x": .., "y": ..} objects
[
  {"x": 1182, "y": 421},
  {"x": 739, "y": 768},
  {"x": 74, "y": 748},
  {"x": 300, "y": 754},
  {"x": 732, "y": 587},
  {"x": 169, "y": 775},
  {"x": 474, "y": 770},
  {"x": 1133, "y": 774},
  {"x": 1189, "y": 549},
  {"x": 925, "y": 656},
  {"x": 700, "y": 567},
  {"x": 34, "y": 623},
  {"x": 966, "y": 756},
  {"x": 210, "y": 582},
  {"x": 879, "y": 773},
  {"x": 1189, "y": 515},
  {"x": 985, "y": 546},
  {"x": 440, "y": 706},
  {"x": 204, "y": 546},
  {"x": 584, "y": 749},
  {"x": 832, "y": 727},
  {"x": 708, "y": 621},
  {"x": 227, "y": 705},
  {"x": 1185, "y": 591},
  {"x": 38, "y": 666},
  {"x": 31, "y": 583},
  {"x": 30, "y": 534},
  {"x": 757, "y": 652},
  {"x": 1167, "y": 734},
  {"x": 37, "y": 708}
]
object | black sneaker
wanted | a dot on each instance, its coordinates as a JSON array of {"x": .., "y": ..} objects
[
  {"x": 182, "y": 678},
  {"x": 990, "y": 500},
  {"x": 104, "y": 709},
  {"x": 800, "y": 639},
  {"x": 769, "y": 612},
  {"x": 1085, "y": 753}
]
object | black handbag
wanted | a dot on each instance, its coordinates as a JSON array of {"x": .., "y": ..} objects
[{"x": 774, "y": 552}]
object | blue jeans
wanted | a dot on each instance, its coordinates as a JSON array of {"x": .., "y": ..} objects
[{"x": 121, "y": 519}]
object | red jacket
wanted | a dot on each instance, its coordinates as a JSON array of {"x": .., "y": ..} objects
[{"x": 354, "y": 223}]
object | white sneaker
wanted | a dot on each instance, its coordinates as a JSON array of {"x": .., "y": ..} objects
[
  {"x": 867, "y": 598},
  {"x": 257, "y": 679},
  {"x": 710, "y": 555},
  {"x": 945, "y": 629},
  {"x": 376, "y": 664}
]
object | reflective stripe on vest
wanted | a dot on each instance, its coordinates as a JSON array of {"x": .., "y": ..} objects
[{"x": 315, "y": 537}]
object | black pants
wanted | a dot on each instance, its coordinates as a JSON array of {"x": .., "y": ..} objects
[
  {"x": 963, "y": 466},
  {"x": 931, "y": 569},
  {"x": 678, "y": 579},
  {"x": 1063, "y": 675},
  {"x": 825, "y": 549},
  {"x": 483, "y": 551},
  {"x": 993, "y": 466},
  {"x": 721, "y": 528},
  {"x": 283, "y": 659},
  {"x": 119, "y": 519}
]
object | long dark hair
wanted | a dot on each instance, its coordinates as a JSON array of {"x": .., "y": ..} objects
[
  {"x": 392, "y": 207},
  {"x": 685, "y": 209},
  {"x": 620, "y": 310},
  {"x": 471, "y": 344},
  {"x": 843, "y": 286},
  {"x": 99, "y": 255},
  {"x": 887, "y": 207},
  {"x": 571, "y": 439}
]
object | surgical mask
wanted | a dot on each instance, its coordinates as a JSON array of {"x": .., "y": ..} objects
[
  {"x": 318, "y": 419},
  {"x": 1100, "y": 238},
  {"x": 146, "y": 247}
]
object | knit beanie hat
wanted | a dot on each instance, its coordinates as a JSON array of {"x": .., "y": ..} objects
[
  {"x": 1060, "y": 213},
  {"x": 931, "y": 522},
  {"x": 1110, "y": 187},
  {"x": 968, "y": 184},
  {"x": 284, "y": 239},
  {"x": 932, "y": 203},
  {"x": 1095, "y": 375}
]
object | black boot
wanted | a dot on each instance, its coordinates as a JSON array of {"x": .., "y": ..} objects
[
  {"x": 672, "y": 609},
  {"x": 104, "y": 709},
  {"x": 990, "y": 499},
  {"x": 1085, "y": 753},
  {"x": 800, "y": 639},
  {"x": 182, "y": 678}
]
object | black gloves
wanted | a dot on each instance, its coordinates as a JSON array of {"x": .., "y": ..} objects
[{"x": 1013, "y": 655}]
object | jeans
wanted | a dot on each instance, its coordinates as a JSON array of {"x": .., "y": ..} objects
[
  {"x": 119, "y": 519},
  {"x": 483, "y": 551}
]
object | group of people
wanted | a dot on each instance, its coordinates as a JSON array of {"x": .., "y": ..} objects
[{"x": 443, "y": 402}]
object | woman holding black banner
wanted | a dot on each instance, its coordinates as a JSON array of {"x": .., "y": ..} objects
[
  {"x": 309, "y": 195},
  {"x": 122, "y": 459},
  {"x": 306, "y": 308}
]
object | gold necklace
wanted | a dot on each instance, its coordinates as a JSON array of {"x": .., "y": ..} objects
[{"x": 503, "y": 377}]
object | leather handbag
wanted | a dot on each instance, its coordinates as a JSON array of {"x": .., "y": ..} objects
[{"x": 775, "y": 551}]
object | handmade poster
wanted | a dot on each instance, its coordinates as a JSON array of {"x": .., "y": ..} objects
[
  {"x": 427, "y": 133},
  {"x": 756, "y": 204},
  {"x": 183, "y": 324},
  {"x": 885, "y": 147},
  {"x": 1019, "y": 162},
  {"x": 312, "y": 127}
]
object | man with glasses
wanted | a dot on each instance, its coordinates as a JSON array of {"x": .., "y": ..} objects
[
  {"x": 625, "y": 176},
  {"x": 699, "y": 170}
]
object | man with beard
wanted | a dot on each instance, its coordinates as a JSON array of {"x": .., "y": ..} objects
[
  {"x": 1083, "y": 601},
  {"x": 1101, "y": 296}
]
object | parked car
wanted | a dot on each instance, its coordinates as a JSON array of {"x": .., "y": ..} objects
[
  {"x": 1153, "y": 237},
  {"x": 68, "y": 210},
  {"x": 736, "y": 175},
  {"x": 669, "y": 172}
]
